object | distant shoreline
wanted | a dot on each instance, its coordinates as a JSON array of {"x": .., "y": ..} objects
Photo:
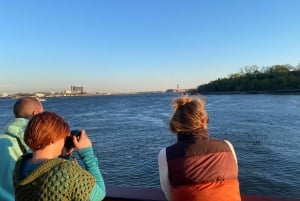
[
  {"x": 275, "y": 92},
  {"x": 16, "y": 96}
]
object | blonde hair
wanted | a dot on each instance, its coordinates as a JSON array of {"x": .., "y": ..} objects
[{"x": 189, "y": 114}]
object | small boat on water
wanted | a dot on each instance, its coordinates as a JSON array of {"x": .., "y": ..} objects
[
  {"x": 124, "y": 193},
  {"x": 41, "y": 99}
]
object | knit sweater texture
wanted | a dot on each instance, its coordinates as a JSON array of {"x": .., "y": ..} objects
[{"x": 57, "y": 180}]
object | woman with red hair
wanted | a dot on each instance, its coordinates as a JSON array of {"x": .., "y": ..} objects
[{"x": 44, "y": 175}]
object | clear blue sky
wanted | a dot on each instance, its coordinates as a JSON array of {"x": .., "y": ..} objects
[{"x": 140, "y": 45}]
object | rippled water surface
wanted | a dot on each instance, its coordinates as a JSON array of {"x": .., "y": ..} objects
[{"x": 129, "y": 130}]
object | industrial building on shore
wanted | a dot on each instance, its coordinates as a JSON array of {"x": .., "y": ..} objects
[{"x": 74, "y": 91}]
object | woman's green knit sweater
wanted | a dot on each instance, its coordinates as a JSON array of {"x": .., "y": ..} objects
[{"x": 57, "y": 179}]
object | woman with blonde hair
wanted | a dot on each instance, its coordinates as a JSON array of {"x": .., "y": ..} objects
[{"x": 197, "y": 167}]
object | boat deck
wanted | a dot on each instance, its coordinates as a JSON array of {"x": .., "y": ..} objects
[{"x": 122, "y": 193}]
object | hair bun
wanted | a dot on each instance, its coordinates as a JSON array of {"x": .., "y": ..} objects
[{"x": 179, "y": 102}]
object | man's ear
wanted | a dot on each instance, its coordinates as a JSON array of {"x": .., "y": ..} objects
[{"x": 34, "y": 112}]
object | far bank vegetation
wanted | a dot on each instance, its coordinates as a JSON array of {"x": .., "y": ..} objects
[{"x": 252, "y": 79}]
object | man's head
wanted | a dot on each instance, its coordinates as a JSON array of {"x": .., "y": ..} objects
[{"x": 26, "y": 107}]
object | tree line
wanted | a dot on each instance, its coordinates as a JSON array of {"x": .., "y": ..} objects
[{"x": 255, "y": 79}]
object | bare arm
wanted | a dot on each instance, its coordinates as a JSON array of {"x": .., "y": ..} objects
[{"x": 164, "y": 174}]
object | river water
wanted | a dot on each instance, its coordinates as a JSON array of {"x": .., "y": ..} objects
[{"x": 128, "y": 131}]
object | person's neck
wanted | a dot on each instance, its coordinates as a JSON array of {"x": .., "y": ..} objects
[{"x": 44, "y": 154}]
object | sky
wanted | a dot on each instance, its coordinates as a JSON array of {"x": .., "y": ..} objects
[{"x": 112, "y": 46}]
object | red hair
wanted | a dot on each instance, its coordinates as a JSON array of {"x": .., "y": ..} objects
[{"x": 45, "y": 128}]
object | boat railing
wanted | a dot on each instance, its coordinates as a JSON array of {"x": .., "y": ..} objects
[{"x": 126, "y": 193}]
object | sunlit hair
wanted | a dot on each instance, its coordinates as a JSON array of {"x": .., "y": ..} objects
[
  {"x": 45, "y": 128},
  {"x": 189, "y": 114}
]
